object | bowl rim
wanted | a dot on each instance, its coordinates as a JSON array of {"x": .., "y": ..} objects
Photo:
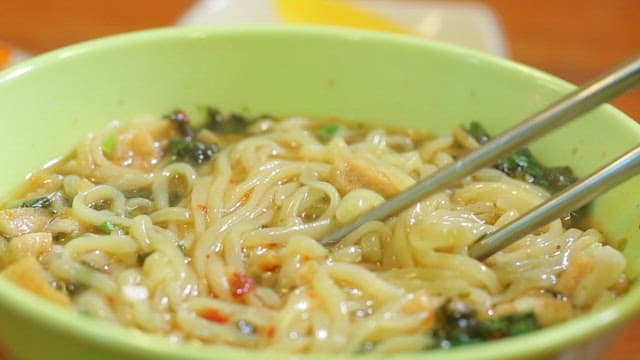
[{"x": 133, "y": 341}]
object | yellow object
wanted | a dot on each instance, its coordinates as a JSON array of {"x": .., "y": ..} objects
[{"x": 334, "y": 12}]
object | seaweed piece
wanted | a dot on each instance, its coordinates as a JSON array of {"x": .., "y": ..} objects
[
  {"x": 461, "y": 326},
  {"x": 231, "y": 124},
  {"x": 186, "y": 148},
  {"x": 191, "y": 151},
  {"x": 559, "y": 177},
  {"x": 183, "y": 122},
  {"x": 36, "y": 203},
  {"x": 140, "y": 258}
]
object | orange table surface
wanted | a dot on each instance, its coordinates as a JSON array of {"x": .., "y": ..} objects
[{"x": 572, "y": 39}]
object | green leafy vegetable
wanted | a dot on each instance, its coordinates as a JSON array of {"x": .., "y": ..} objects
[
  {"x": 38, "y": 203},
  {"x": 524, "y": 166},
  {"x": 511, "y": 325},
  {"x": 478, "y": 132},
  {"x": 462, "y": 327}
]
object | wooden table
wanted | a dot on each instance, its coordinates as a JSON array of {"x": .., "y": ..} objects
[{"x": 573, "y": 39}]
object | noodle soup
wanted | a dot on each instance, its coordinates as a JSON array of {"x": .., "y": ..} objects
[{"x": 209, "y": 235}]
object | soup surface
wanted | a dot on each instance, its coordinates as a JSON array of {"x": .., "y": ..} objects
[{"x": 209, "y": 235}]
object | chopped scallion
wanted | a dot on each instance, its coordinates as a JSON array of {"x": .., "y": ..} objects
[
  {"x": 331, "y": 130},
  {"x": 109, "y": 144},
  {"x": 107, "y": 227}
]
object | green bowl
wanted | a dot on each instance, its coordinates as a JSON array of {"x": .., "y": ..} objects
[{"x": 48, "y": 103}]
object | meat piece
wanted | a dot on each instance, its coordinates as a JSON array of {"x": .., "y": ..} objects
[
  {"x": 355, "y": 173},
  {"x": 29, "y": 274},
  {"x": 20, "y": 221},
  {"x": 34, "y": 245},
  {"x": 590, "y": 274},
  {"x": 138, "y": 150}
]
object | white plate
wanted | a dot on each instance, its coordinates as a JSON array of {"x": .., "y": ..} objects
[{"x": 469, "y": 24}]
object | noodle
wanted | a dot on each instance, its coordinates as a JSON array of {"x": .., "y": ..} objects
[{"x": 217, "y": 243}]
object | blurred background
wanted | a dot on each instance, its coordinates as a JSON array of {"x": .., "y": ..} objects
[{"x": 572, "y": 39}]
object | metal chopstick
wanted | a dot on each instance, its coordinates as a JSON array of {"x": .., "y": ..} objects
[
  {"x": 577, "y": 195},
  {"x": 589, "y": 96}
]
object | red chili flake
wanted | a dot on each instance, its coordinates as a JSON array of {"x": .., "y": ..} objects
[
  {"x": 312, "y": 294},
  {"x": 234, "y": 181},
  {"x": 110, "y": 299},
  {"x": 215, "y": 316},
  {"x": 203, "y": 208},
  {"x": 271, "y": 331},
  {"x": 241, "y": 284}
]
